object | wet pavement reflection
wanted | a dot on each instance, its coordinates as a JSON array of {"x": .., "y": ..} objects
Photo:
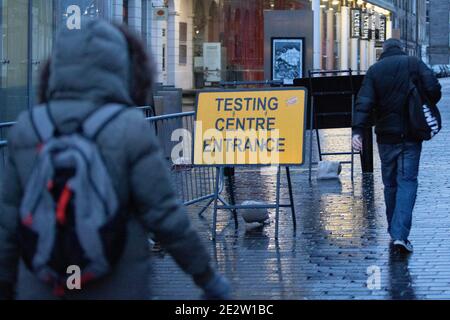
[
  {"x": 400, "y": 280},
  {"x": 341, "y": 234}
]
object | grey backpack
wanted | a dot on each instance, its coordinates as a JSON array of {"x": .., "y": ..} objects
[{"x": 70, "y": 213}]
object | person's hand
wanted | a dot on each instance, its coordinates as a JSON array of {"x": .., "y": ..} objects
[
  {"x": 357, "y": 142},
  {"x": 218, "y": 288}
]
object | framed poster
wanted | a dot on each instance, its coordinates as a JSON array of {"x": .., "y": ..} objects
[
  {"x": 287, "y": 59},
  {"x": 212, "y": 61}
]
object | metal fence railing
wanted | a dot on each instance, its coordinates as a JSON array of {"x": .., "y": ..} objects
[
  {"x": 3, "y": 146},
  {"x": 175, "y": 133},
  {"x": 149, "y": 111}
]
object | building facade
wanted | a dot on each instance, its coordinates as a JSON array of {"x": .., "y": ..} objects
[
  {"x": 438, "y": 20},
  {"x": 197, "y": 43}
]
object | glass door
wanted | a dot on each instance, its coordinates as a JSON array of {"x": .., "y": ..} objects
[
  {"x": 27, "y": 29},
  {"x": 13, "y": 58},
  {"x": 41, "y": 40}
]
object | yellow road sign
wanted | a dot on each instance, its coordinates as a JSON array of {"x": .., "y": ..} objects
[{"x": 250, "y": 127}]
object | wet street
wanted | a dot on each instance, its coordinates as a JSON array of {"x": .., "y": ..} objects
[{"x": 341, "y": 240}]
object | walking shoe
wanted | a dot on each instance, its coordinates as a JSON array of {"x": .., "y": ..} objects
[{"x": 405, "y": 245}]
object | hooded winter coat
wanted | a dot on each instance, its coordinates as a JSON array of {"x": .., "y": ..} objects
[{"x": 89, "y": 68}]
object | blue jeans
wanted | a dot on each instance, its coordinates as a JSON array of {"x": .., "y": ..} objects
[{"x": 400, "y": 168}]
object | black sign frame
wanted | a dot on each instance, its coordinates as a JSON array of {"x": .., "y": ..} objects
[
  {"x": 355, "y": 28},
  {"x": 365, "y": 25},
  {"x": 382, "y": 28}
]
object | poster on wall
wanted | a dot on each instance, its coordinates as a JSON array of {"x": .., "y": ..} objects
[
  {"x": 212, "y": 61},
  {"x": 287, "y": 59},
  {"x": 355, "y": 20}
]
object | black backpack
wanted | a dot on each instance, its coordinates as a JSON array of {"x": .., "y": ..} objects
[{"x": 423, "y": 117}]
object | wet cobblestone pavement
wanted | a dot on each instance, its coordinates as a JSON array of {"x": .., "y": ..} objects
[{"x": 341, "y": 232}]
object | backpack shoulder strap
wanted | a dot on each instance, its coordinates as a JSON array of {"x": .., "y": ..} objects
[
  {"x": 95, "y": 123},
  {"x": 416, "y": 66},
  {"x": 42, "y": 123},
  {"x": 417, "y": 80},
  {"x": 413, "y": 68}
]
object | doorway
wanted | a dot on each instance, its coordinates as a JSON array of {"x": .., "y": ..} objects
[{"x": 13, "y": 58}]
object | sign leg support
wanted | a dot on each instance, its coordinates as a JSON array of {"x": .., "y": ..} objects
[
  {"x": 291, "y": 199},
  {"x": 351, "y": 138},
  {"x": 277, "y": 212},
  {"x": 216, "y": 199},
  {"x": 311, "y": 128},
  {"x": 232, "y": 197}
]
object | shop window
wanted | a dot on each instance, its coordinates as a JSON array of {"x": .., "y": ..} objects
[
  {"x": 239, "y": 27},
  {"x": 183, "y": 43}
]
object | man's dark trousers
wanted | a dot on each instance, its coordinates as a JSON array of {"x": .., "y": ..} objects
[{"x": 400, "y": 168}]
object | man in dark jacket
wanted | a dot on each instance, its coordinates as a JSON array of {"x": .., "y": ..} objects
[
  {"x": 90, "y": 68},
  {"x": 384, "y": 93}
]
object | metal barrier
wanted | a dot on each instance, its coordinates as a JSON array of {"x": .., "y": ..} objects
[
  {"x": 3, "y": 146},
  {"x": 175, "y": 133},
  {"x": 149, "y": 111}
]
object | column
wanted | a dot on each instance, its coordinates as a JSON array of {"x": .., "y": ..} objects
[
  {"x": 117, "y": 11},
  {"x": 317, "y": 36},
  {"x": 135, "y": 15},
  {"x": 372, "y": 53},
  {"x": 338, "y": 40},
  {"x": 354, "y": 54},
  {"x": 172, "y": 31},
  {"x": 323, "y": 30},
  {"x": 179, "y": 74},
  {"x": 372, "y": 42},
  {"x": 330, "y": 39},
  {"x": 345, "y": 30},
  {"x": 158, "y": 43},
  {"x": 364, "y": 63}
]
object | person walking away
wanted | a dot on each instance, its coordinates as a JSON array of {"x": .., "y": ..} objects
[{"x": 385, "y": 94}]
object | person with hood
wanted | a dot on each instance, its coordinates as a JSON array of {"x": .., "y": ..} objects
[
  {"x": 385, "y": 91},
  {"x": 97, "y": 65}
]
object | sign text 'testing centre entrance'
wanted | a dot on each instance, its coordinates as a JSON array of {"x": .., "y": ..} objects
[{"x": 250, "y": 127}]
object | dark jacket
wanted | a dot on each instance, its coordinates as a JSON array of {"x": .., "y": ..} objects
[
  {"x": 90, "y": 68},
  {"x": 384, "y": 94}
]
